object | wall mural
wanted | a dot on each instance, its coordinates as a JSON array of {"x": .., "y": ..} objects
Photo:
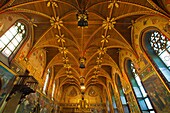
[
  {"x": 157, "y": 93},
  {"x": 6, "y": 79},
  {"x": 146, "y": 72}
]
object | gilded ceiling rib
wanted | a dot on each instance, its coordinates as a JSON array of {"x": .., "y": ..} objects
[
  {"x": 155, "y": 6},
  {"x": 25, "y": 11},
  {"x": 72, "y": 83},
  {"x": 89, "y": 39},
  {"x": 72, "y": 35},
  {"x": 137, "y": 5},
  {"x": 99, "y": 3},
  {"x": 26, "y": 3},
  {"x": 102, "y": 73},
  {"x": 67, "y": 79},
  {"x": 59, "y": 74}
]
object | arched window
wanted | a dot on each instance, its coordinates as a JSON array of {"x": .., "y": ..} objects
[
  {"x": 107, "y": 104},
  {"x": 113, "y": 100},
  {"x": 12, "y": 39},
  {"x": 122, "y": 95},
  {"x": 53, "y": 90},
  {"x": 140, "y": 93},
  {"x": 46, "y": 81},
  {"x": 157, "y": 46}
]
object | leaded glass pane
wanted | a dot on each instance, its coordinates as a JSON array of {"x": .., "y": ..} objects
[
  {"x": 9, "y": 35},
  {"x": 11, "y": 46},
  {"x": 13, "y": 30},
  {"x": 123, "y": 99},
  {"x": 142, "y": 104},
  {"x": 165, "y": 56},
  {"x": 165, "y": 72},
  {"x": 15, "y": 42},
  {"x": 18, "y": 37},
  {"x": 148, "y": 103},
  {"x": 4, "y": 39},
  {"x": 10, "y": 40},
  {"x": 137, "y": 92},
  {"x": 6, "y": 52},
  {"x": 143, "y": 91},
  {"x": 168, "y": 43},
  {"x": 1, "y": 45},
  {"x": 169, "y": 49}
]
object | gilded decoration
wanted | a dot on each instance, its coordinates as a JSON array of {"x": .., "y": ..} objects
[{"x": 58, "y": 40}]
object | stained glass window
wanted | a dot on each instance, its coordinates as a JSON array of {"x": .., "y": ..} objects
[
  {"x": 161, "y": 46},
  {"x": 140, "y": 93},
  {"x": 113, "y": 100},
  {"x": 46, "y": 81},
  {"x": 122, "y": 95},
  {"x": 53, "y": 90},
  {"x": 12, "y": 38}
]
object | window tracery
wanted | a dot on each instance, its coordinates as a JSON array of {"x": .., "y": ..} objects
[
  {"x": 161, "y": 46},
  {"x": 11, "y": 39}
]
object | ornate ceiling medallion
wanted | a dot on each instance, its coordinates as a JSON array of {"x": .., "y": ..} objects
[
  {"x": 109, "y": 23},
  {"x": 56, "y": 22}
]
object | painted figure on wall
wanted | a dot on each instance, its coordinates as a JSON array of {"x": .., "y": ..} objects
[{"x": 157, "y": 93}]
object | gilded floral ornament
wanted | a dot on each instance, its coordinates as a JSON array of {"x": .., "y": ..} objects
[
  {"x": 96, "y": 72},
  {"x": 70, "y": 76},
  {"x": 113, "y": 3},
  {"x": 105, "y": 38},
  {"x": 109, "y": 23},
  {"x": 52, "y": 2},
  {"x": 67, "y": 65},
  {"x": 99, "y": 60},
  {"x": 68, "y": 72},
  {"x": 60, "y": 38},
  {"x": 63, "y": 50},
  {"x": 96, "y": 67},
  {"x": 102, "y": 50},
  {"x": 56, "y": 22},
  {"x": 32, "y": 22},
  {"x": 65, "y": 59}
]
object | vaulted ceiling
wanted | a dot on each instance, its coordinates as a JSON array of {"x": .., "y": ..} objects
[{"x": 109, "y": 30}]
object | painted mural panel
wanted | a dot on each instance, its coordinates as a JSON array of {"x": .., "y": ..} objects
[
  {"x": 158, "y": 94},
  {"x": 6, "y": 78}
]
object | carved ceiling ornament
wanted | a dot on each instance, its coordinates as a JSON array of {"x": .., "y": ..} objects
[
  {"x": 52, "y": 3},
  {"x": 109, "y": 23},
  {"x": 113, "y": 3},
  {"x": 56, "y": 22}
]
